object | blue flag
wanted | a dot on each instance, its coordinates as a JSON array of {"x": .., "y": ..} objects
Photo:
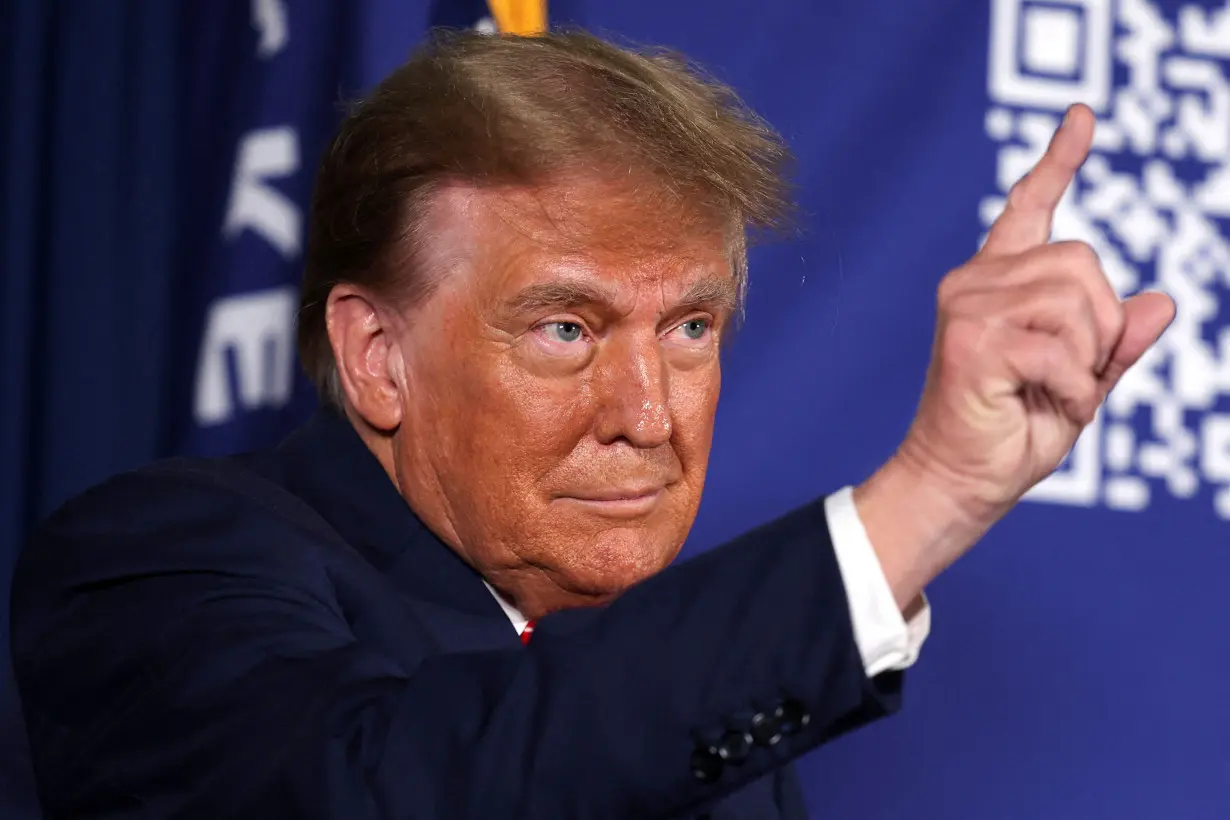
[{"x": 264, "y": 87}]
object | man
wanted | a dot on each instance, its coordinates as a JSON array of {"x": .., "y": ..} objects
[{"x": 524, "y": 257}]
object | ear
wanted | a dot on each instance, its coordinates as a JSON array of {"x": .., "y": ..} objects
[{"x": 369, "y": 365}]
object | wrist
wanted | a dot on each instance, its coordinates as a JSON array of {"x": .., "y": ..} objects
[{"x": 915, "y": 528}]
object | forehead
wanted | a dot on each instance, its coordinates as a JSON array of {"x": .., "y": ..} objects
[{"x": 627, "y": 236}]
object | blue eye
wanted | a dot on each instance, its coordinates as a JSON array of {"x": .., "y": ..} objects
[
  {"x": 695, "y": 329},
  {"x": 563, "y": 331}
]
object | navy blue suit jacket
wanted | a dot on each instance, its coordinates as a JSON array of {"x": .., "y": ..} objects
[{"x": 279, "y": 636}]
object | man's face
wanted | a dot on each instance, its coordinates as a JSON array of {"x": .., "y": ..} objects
[{"x": 560, "y": 386}]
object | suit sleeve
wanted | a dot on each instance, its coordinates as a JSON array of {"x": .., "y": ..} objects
[{"x": 195, "y": 661}]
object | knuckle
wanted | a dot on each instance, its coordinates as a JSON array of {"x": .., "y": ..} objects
[
  {"x": 1078, "y": 301},
  {"x": 1019, "y": 196},
  {"x": 951, "y": 287},
  {"x": 1065, "y": 290},
  {"x": 1081, "y": 344},
  {"x": 946, "y": 291},
  {"x": 1059, "y": 355},
  {"x": 1062, "y": 301},
  {"x": 1065, "y": 356},
  {"x": 1078, "y": 254},
  {"x": 963, "y": 337}
]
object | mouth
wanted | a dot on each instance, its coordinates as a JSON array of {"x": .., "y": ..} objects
[{"x": 617, "y": 502}]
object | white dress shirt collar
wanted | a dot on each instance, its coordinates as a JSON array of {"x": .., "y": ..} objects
[{"x": 518, "y": 620}]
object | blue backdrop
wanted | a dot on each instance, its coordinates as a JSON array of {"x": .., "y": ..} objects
[{"x": 158, "y": 158}]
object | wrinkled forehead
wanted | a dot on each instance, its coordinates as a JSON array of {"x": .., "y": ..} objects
[
  {"x": 629, "y": 225},
  {"x": 630, "y": 216}
]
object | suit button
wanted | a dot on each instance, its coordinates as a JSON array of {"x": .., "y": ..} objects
[
  {"x": 706, "y": 764},
  {"x": 792, "y": 716},
  {"x": 765, "y": 729},
  {"x": 734, "y": 746}
]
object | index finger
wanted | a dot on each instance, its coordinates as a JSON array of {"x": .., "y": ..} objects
[{"x": 1026, "y": 220}]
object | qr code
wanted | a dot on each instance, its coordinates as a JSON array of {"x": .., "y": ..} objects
[{"x": 1154, "y": 201}]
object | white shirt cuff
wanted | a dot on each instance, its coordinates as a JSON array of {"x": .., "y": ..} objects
[{"x": 885, "y": 641}]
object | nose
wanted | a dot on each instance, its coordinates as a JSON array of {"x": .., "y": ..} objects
[{"x": 633, "y": 392}]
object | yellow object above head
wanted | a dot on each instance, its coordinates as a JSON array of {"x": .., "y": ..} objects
[{"x": 523, "y": 17}]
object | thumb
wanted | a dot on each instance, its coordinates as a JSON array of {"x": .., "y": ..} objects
[{"x": 1146, "y": 317}]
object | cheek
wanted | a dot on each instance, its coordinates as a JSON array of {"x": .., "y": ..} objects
[
  {"x": 514, "y": 426},
  {"x": 694, "y": 400},
  {"x": 503, "y": 431}
]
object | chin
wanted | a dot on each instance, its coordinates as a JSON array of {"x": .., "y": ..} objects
[{"x": 617, "y": 558}]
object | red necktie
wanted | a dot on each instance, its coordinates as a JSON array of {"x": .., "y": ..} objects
[{"x": 527, "y": 632}]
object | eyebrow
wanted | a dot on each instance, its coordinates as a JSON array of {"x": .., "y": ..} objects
[
  {"x": 714, "y": 291},
  {"x": 559, "y": 296}
]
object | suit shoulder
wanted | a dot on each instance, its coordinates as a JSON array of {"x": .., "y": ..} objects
[
  {"x": 181, "y": 515},
  {"x": 164, "y": 493}
]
